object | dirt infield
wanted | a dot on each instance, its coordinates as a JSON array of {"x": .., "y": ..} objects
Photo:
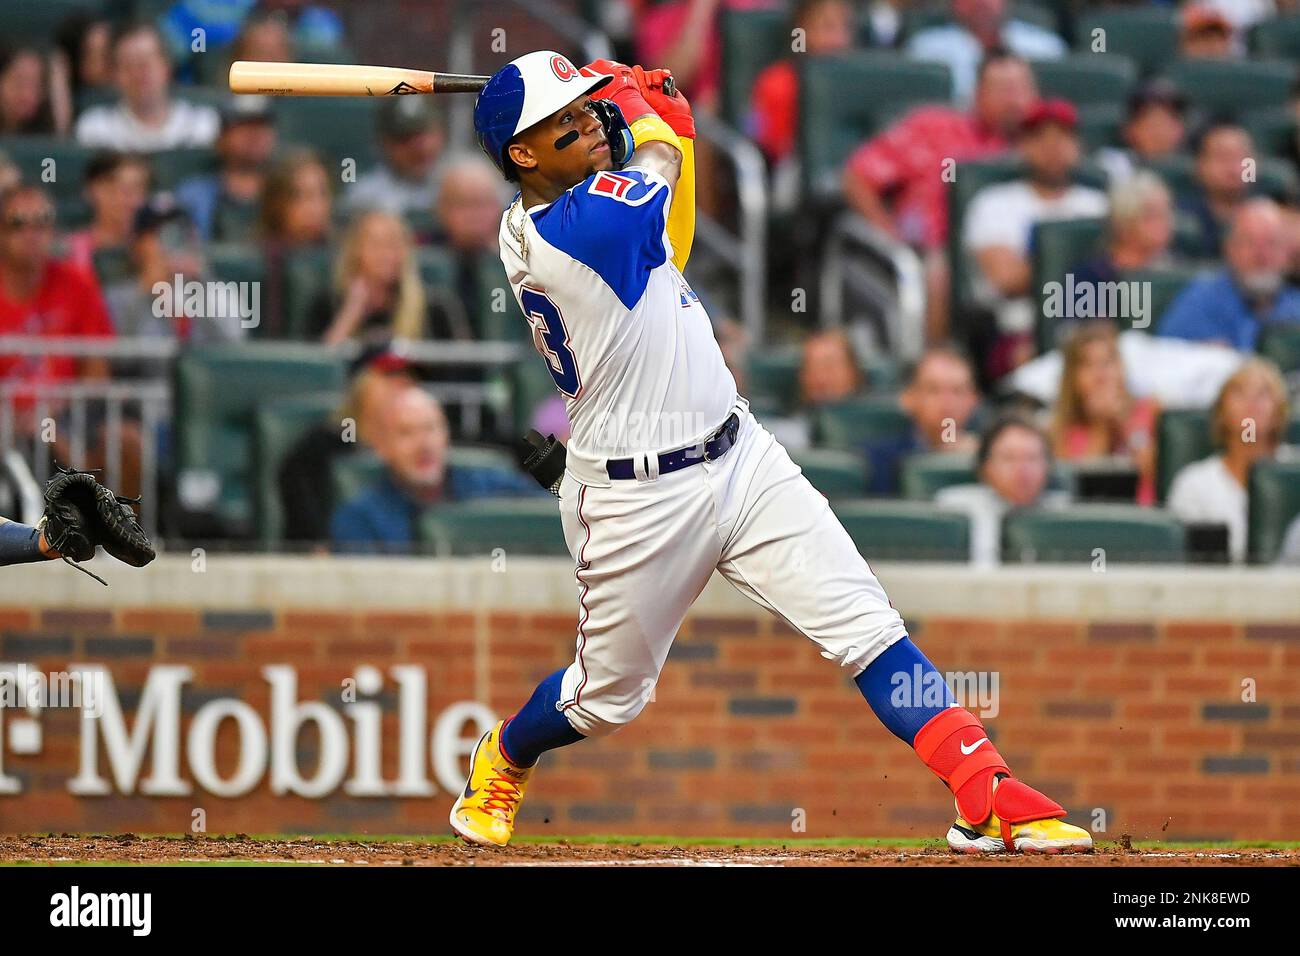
[{"x": 314, "y": 851}]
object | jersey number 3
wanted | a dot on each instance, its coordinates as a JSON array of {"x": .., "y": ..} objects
[{"x": 551, "y": 339}]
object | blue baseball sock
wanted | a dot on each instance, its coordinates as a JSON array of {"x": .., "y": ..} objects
[
  {"x": 539, "y": 726},
  {"x": 904, "y": 689}
]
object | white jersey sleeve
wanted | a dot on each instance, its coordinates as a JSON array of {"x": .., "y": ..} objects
[{"x": 625, "y": 338}]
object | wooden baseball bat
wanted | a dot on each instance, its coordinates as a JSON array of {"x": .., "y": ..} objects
[{"x": 337, "y": 79}]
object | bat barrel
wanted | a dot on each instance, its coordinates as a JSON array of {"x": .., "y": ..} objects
[{"x": 338, "y": 79}]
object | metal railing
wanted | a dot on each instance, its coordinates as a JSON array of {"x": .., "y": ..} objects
[
  {"x": 891, "y": 281},
  {"x": 42, "y": 421}
]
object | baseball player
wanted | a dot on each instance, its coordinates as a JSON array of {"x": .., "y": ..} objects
[{"x": 668, "y": 475}]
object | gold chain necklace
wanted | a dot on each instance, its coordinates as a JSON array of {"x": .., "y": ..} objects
[{"x": 518, "y": 230}]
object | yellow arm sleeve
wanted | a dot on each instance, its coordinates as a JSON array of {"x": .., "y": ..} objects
[{"x": 681, "y": 215}]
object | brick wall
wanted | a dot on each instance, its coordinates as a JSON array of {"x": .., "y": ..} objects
[{"x": 1140, "y": 718}]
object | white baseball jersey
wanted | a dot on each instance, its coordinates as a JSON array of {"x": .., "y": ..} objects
[
  {"x": 631, "y": 349},
  {"x": 626, "y": 339}
]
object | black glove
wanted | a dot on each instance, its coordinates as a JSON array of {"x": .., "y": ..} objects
[{"x": 81, "y": 514}]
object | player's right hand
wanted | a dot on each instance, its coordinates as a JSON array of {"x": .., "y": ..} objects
[{"x": 624, "y": 90}]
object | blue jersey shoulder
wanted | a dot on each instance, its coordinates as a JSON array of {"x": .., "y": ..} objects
[{"x": 613, "y": 223}]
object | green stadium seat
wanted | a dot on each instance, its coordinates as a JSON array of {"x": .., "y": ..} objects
[
  {"x": 1273, "y": 129},
  {"x": 437, "y": 268},
  {"x": 173, "y": 166},
  {"x": 845, "y": 99},
  {"x": 1182, "y": 437},
  {"x": 752, "y": 40},
  {"x": 850, "y": 424},
  {"x": 499, "y": 318},
  {"x": 836, "y": 474},
  {"x": 112, "y": 265},
  {"x": 1086, "y": 78},
  {"x": 1274, "y": 504},
  {"x": 35, "y": 23},
  {"x": 1057, "y": 248},
  {"x": 773, "y": 376},
  {"x": 926, "y": 474},
  {"x": 1279, "y": 342},
  {"x": 905, "y": 530},
  {"x": 1126, "y": 533},
  {"x": 58, "y": 165},
  {"x": 217, "y": 392},
  {"x": 236, "y": 262},
  {"x": 1293, "y": 431},
  {"x": 1273, "y": 176},
  {"x": 1277, "y": 37},
  {"x": 1100, "y": 124},
  {"x": 277, "y": 427},
  {"x": 350, "y": 473},
  {"x": 340, "y": 127},
  {"x": 1233, "y": 86},
  {"x": 524, "y": 526},
  {"x": 1148, "y": 35}
]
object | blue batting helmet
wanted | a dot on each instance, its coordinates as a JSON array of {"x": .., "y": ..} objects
[{"x": 524, "y": 92}]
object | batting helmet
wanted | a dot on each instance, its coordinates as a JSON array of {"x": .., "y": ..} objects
[{"x": 522, "y": 93}]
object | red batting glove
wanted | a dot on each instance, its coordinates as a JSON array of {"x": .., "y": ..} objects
[
  {"x": 673, "y": 110},
  {"x": 623, "y": 89}
]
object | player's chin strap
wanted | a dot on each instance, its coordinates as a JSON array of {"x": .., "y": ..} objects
[{"x": 956, "y": 747}]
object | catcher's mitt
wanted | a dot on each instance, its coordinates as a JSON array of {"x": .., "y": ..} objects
[{"x": 80, "y": 514}]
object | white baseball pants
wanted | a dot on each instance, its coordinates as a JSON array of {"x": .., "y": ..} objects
[{"x": 645, "y": 550}]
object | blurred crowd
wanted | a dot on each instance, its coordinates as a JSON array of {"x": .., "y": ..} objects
[{"x": 123, "y": 165}]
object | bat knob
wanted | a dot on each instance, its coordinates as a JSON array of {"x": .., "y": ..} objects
[{"x": 670, "y": 86}]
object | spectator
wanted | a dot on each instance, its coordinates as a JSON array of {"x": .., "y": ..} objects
[
  {"x": 1001, "y": 218},
  {"x": 1205, "y": 33},
  {"x": 377, "y": 290},
  {"x": 896, "y": 180},
  {"x": 295, "y": 207},
  {"x": 828, "y": 371},
  {"x": 264, "y": 37},
  {"x": 406, "y": 181},
  {"x": 411, "y": 439},
  {"x": 1154, "y": 129},
  {"x": 165, "y": 245},
  {"x": 312, "y": 25},
  {"x": 1232, "y": 305},
  {"x": 116, "y": 186},
  {"x": 468, "y": 220},
  {"x": 682, "y": 35},
  {"x": 1138, "y": 234},
  {"x": 827, "y": 27},
  {"x": 1013, "y": 464},
  {"x": 219, "y": 22},
  {"x": 82, "y": 61},
  {"x": 147, "y": 118},
  {"x": 885, "y": 21},
  {"x": 981, "y": 27},
  {"x": 306, "y": 488},
  {"x": 1222, "y": 151},
  {"x": 940, "y": 399},
  {"x": 1248, "y": 422},
  {"x": 40, "y": 296},
  {"x": 223, "y": 203},
  {"x": 10, "y": 174},
  {"x": 1095, "y": 416},
  {"x": 25, "y": 106}
]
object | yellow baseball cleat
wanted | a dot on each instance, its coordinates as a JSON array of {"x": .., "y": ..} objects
[
  {"x": 484, "y": 813},
  {"x": 1049, "y": 835}
]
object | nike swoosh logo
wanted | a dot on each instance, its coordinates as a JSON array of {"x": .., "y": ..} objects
[
  {"x": 967, "y": 751},
  {"x": 468, "y": 792}
]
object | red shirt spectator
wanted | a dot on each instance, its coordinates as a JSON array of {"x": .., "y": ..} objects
[
  {"x": 908, "y": 159},
  {"x": 67, "y": 303},
  {"x": 42, "y": 297}
]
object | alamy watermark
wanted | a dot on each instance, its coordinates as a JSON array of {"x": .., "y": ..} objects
[
  {"x": 977, "y": 691},
  {"x": 212, "y": 299},
  {"x": 23, "y": 687},
  {"x": 1127, "y": 299}
]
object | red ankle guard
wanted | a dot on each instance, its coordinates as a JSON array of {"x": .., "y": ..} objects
[{"x": 956, "y": 747}]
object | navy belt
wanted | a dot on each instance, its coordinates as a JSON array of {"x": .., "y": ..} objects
[{"x": 669, "y": 461}]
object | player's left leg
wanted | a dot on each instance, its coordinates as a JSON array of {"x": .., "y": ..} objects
[{"x": 786, "y": 550}]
